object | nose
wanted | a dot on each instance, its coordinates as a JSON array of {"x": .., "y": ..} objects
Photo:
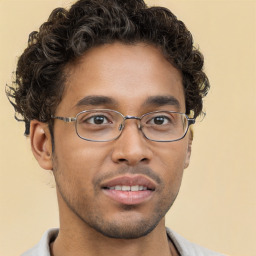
[{"x": 131, "y": 147}]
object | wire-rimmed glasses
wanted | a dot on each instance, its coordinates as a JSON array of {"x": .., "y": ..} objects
[{"x": 102, "y": 125}]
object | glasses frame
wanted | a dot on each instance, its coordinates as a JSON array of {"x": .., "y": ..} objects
[{"x": 190, "y": 121}]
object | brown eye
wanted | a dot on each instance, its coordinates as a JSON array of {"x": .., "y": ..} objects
[
  {"x": 98, "y": 120},
  {"x": 159, "y": 120}
]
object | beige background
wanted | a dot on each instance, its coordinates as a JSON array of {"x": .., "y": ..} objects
[{"x": 217, "y": 203}]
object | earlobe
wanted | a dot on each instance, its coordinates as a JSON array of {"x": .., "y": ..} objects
[{"x": 40, "y": 139}]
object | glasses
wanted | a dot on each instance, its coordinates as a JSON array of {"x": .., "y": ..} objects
[{"x": 102, "y": 125}]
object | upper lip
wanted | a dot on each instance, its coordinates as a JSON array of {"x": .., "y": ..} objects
[{"x": 130, "y": 180}]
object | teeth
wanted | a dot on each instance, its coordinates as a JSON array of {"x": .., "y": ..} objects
[
  {"x": 128, "y": 188},
  {"x": 135, "y": 188}
]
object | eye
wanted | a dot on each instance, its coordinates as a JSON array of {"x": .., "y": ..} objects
[
  {"x": 97, "y": 119},
  {"x": 159, "y": 120}
]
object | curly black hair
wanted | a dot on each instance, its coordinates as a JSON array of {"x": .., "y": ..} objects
[{"x": 40, "y": 75}]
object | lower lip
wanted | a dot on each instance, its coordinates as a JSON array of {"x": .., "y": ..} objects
[{"x": 129, "y": 197}]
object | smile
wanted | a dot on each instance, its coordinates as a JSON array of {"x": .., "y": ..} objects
[{"x": 129, "y": 190}]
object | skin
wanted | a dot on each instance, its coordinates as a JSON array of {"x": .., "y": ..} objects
[{"x": 90, "y": 221}]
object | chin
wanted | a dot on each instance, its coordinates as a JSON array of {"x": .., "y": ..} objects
[
  {"x": 126, "y": 231},
  {"x": 126, "y": 225}
]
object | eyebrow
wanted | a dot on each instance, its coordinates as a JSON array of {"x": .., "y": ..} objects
[
  {"x": 162, "y": 101},
  {"x": 95, "y": 100}
]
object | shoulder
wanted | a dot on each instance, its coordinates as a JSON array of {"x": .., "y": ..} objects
[
  {"x": 187, "y": 248},
  {"x": 42, "y": 248}
]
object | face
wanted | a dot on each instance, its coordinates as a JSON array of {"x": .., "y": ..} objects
[{"x": 133, "y": 80}]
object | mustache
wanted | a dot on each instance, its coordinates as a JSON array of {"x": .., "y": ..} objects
[{"x": 128, "y": 170}]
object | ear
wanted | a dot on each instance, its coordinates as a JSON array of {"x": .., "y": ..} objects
[
  {"x": 190, "y": 140},
  {"x": 41, "y": 145}
]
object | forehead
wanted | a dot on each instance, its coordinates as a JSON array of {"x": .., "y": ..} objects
[{"x": 128, "y": 75}]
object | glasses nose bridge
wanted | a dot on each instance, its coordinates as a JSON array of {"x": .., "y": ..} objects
[
  {"x": 121, "y": 127},
  {"x": 131, "y": 117}
]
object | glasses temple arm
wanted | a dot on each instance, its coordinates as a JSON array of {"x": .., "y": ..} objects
[
  {"x": 65, "y": 119},
  {"x": 191, "y": 121}
]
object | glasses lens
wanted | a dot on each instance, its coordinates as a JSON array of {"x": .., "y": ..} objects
[
  {"x": 98, "y": 125},
  {"x": 164, "y": 126}
]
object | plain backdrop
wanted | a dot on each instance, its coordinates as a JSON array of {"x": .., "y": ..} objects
[{"x": 216, "y": 206}]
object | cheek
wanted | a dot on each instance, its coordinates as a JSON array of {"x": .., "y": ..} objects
[
  {"x": 77, "y": 160},
  {"x": 74, "y": 171},
  {"x": 74, "y": 150},
  {"x": 173, "y": 158},
  {"x": 80, "y": 160}
]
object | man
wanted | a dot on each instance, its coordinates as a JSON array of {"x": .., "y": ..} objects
[{"x": 109, "y": 90}]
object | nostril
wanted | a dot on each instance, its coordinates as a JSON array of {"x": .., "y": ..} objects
[
  {"x": 131, "y": 162},
  {"x": 122, "y": 160}
]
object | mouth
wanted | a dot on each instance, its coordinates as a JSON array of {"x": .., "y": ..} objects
[{"x": 129, "y": 190}]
